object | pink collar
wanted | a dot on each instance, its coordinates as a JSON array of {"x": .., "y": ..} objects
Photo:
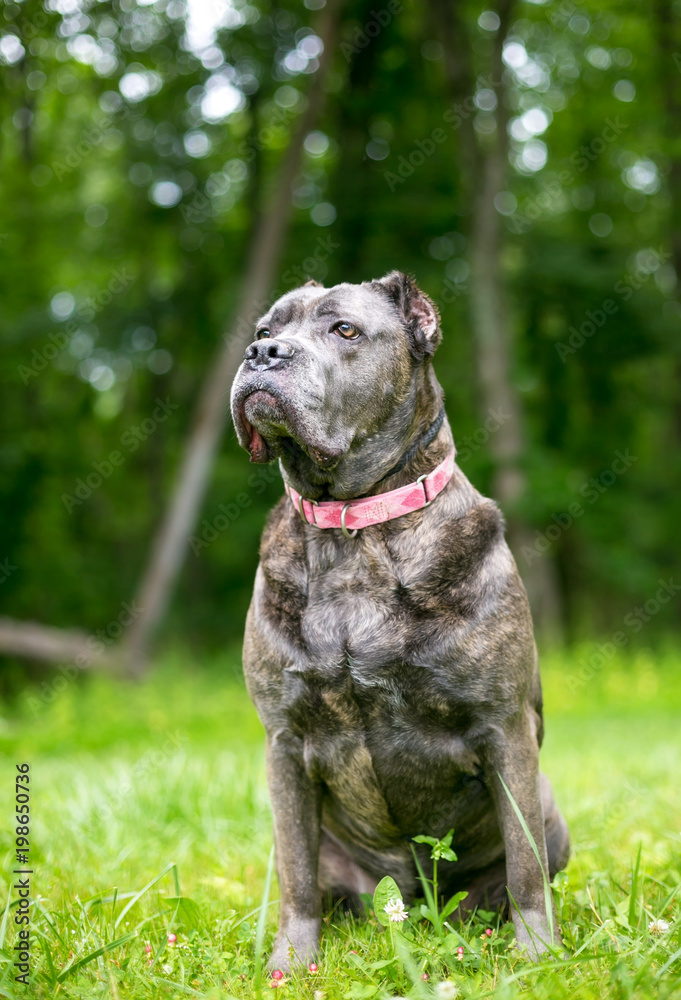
[{"x": 354, "y": 514}]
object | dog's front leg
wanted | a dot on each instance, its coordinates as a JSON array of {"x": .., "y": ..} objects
[
  {"x": 514, "y": 758},
  {"x": 296, "y": 804}
]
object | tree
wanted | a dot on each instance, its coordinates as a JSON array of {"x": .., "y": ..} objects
[
  {"x": 170, "y": 544},
  {"x": 483, "y": 164}
]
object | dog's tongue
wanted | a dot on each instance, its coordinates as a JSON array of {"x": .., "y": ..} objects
[{"x": 257, "y": 447}]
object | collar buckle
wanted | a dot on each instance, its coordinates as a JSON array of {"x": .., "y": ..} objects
[
  {"x": 422, "y": 479},
  {"x": 348, "y": 534},
  {"x": 301, "y": 509}
]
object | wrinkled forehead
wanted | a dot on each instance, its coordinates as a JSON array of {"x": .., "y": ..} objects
[{"x": 360, "y": 304}]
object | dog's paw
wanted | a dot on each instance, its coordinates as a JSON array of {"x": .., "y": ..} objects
[
  {"x": 533, "y": 937},
  {"x": 296, "y": 945},
  {"x": 279, "y": 960}
]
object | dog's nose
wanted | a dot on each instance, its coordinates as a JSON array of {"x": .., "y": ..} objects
[{"x": 268, "y": 353}]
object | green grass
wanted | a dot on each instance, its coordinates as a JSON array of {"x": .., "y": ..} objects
[{"x": 166, "y": 779}]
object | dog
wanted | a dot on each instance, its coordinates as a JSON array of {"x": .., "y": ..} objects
[{"x": 389, "y": 647}]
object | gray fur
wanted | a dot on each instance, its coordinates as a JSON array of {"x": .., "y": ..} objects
[{"x": 395, "y": 672}]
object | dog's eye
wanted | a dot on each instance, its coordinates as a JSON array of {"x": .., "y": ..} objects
[
  {"x": 347, "y": 330},
  {"x": 262, "y": 334}
]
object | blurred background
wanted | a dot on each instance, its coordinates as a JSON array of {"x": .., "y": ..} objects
[{"x": 169, "y": 168}]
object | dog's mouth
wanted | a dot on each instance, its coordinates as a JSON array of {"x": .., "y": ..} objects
[
  {"x": 269, "y": 429},
  {"x": 261, "y": 415},
  {"x": 262, "y": 403}
]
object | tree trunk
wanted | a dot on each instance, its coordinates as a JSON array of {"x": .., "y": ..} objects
[
  {"x": 483, "y": 171},
  {"x": 169, "y": 547},
  {"x": 668, "y": 36},
  {"x": 41, "y": 642}
]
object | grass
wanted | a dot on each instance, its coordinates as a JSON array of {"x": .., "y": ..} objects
[{"x": 150, "y": 817}]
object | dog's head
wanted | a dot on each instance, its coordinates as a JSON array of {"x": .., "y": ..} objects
[{"x": 335, "y": 380}]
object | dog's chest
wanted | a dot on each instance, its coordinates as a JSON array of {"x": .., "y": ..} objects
[
  {"x": 378, "y": 725},
  {"x": 357, "y": 611},
  {"x": 373, "y": 630}
]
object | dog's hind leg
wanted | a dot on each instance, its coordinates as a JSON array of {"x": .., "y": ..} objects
[
  {"x": 341, "y": 879},
  {"x": 557, "y": 836},
  {"x": 487, "y": 889}
]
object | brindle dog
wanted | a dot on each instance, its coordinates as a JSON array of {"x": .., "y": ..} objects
[{"x": 395, "y": 672}]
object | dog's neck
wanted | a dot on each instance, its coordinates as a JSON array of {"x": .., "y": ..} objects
[{"x": 374, "y": 464}]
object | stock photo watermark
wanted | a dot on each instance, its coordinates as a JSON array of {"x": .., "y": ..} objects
[
  {"x": 634, "y": 621},
  {"x": 229, "y": 512},
  {"x": 6, "y": 569},
  {"x": 475, "y": 441},
  {"x": 614, "y": 813},
  {"x": 592, "y": 490},
  {"x": 561, "y": 15},
  {"x": 300, "y": 273},
  {"x": 90, "y": 139},
  {"x": 219, "y": 183},
  {"x": 423, "y": 149},
  {"x": 378, "y": 20},
  {"x": 624, "y": 287},
  {"x": 453, "y": 290},
  {"x": 521, "y": 221},
  {"x": 150, "y": 761},
  {"x": 84, "y": 312},
  {"x": 97, "y": 643},
  {"x": 131, "y": 439}
]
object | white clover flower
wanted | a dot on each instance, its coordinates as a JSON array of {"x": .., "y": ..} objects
[
  {"x": 396, "y": 910},
  {"x": 446, "y": 990},
  {"x": 658, "y": 926},
  {"x": 167, "y": 968}
]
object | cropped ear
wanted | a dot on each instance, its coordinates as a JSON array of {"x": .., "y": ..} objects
[
  {"x": 311, "y": 283},
  {"x": 419, "y": 313}
]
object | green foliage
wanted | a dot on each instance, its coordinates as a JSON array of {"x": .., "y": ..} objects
[
  {"x": 386, "y": 891},
  {"x": 440, "y": 848},
  {"x": 431, "y": 910},
  {"x": 126, "y": 189},
  {"x": 260, "y": 927},
  {"x": 130, "y": 847}
]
